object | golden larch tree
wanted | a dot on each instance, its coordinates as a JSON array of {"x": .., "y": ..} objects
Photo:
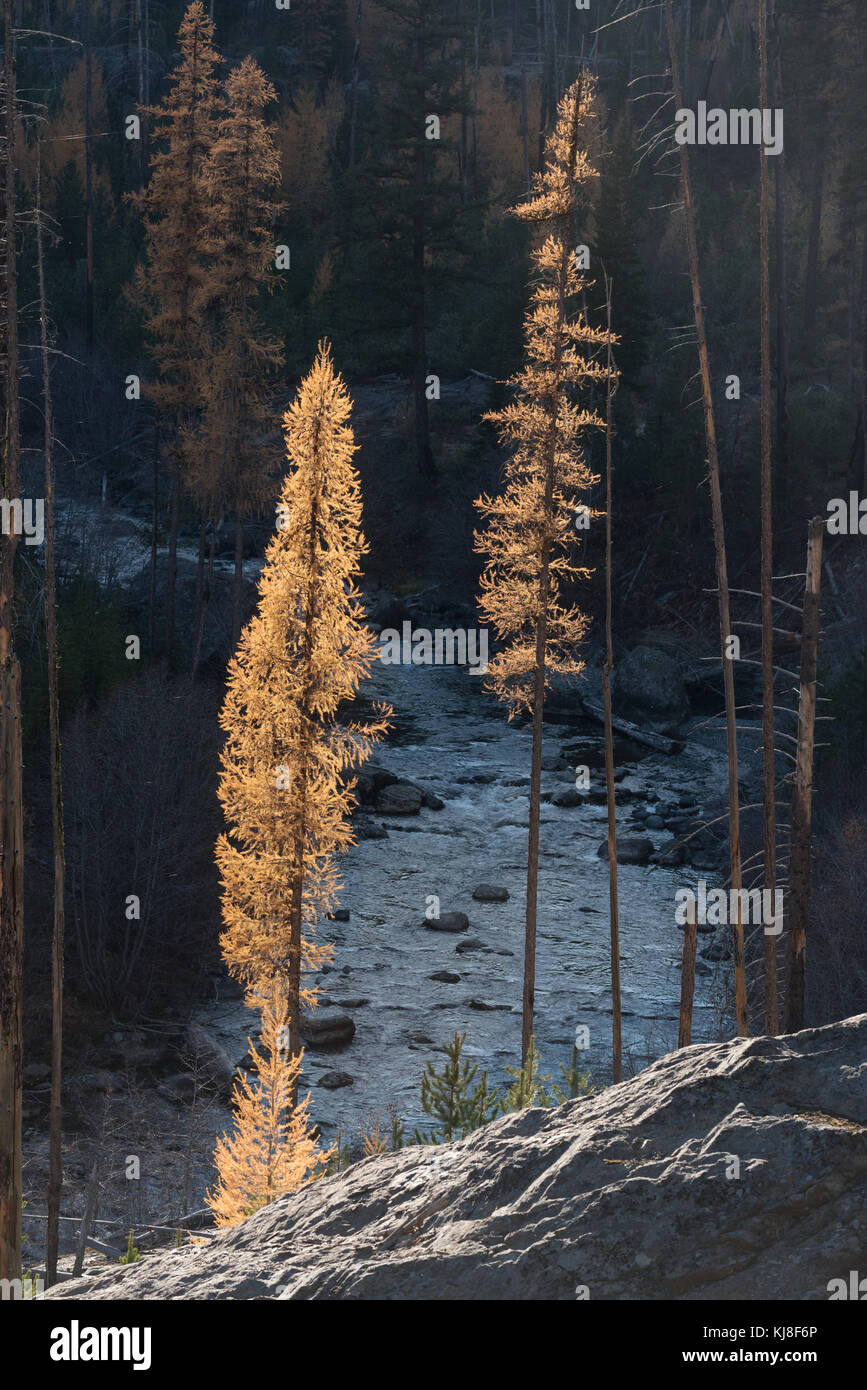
[
  {"x": 272, "y": 1150},
  {"x": 529, "y": 538},
  {"x": 286, "y": 786},
  {"x": 242, "y": 178},
  {"x": 169, "y": 285}
]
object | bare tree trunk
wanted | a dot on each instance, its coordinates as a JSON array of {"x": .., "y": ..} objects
[
  {"x": 239, "y": 580},
  {"x": 207, "y": 586},
  {"x": 200, "y": 598},
  {"x": 88, "y": 1218},
  {"x": 607, "y": 667},
  {"x": 811, "y": 277},
  {"x": 152, "y": 608},
  {"x": 769, "y": 762},
  {"x": 88, "y": 176},
  {"x": 55, "y": 1177},
  {"x": 11, "y": 823},
  {"x": 356, "y": 65},
  {"x": 719, "y": 544},
  {"x": 423, "y": 452},
  {"x": 525, "y": 130},
  {"x": 782, "y": 460},
  {"x": 172, "y": 575},
  {"x": 687, "y": 978},
  {"x": 799, "y": 858}
]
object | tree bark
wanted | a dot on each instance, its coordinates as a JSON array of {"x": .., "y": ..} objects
[
  {"x": 423, "y": 453},
  {"x": 607, "y": 667},
  {"x": 769, "y": 761},
  {"x": 799, "y": 857},
  {"x": 172, "y": 575},
  {"x": 356, "y": 66},
  {"x": 782, "y": 459},
  {"x": 719, "y": 543},
  {"x": 152, "y": 606},
  {"x": 687, "y": 978},
  {"x": 11, "y": 822},
  {"x": 239, "y": 580},
  {"x": 88, "y": 176},
  {"x": 811, "y": 277},
  {"x": 55, "y": 1177}
]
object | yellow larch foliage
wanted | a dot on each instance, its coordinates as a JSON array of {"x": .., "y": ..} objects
[
  {"x": 286, "y": 786},
  {"x": 307, "y": 137},
  {"x": 272, "y": 1150},
  {"x": 171, "y": 282},
  {"x": 530, "y": 534},
  {"x": 241, "y": 179}
]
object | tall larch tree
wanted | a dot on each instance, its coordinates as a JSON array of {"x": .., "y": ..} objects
[
  {"x": 170, "y": 282},
  {"x": 529, "y": 538},
  {"x": 286, "y": 786},
  {"x": 228, "y": 465},
  {"x": 272, "y": 1150}
]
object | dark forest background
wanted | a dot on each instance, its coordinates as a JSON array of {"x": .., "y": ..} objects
[{"x": 411, "y": 265}]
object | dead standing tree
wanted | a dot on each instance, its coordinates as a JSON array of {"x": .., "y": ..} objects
[
  {"x": 767, "y": 581},
  {"x": 799, "y": 854},
  {"x": 719, "y": 543},
  {"x": 607, "y": 667},
  {"x": 11, "y": 831},
  {"x": 55, "y": 1179}
]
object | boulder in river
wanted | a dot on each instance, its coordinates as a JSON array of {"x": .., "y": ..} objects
[
  {"x": 399, "y": 799},
  {"x": 471, "y": 943},
  {"x": 335, "y": 1080},
  {"x": 448, "y": 922},
  {"x": 649, "y": 684},
  {"x": 570, "y": 796},
  {"x": 367, "y": 829},
  {"x": 327, "y": 1028},
  {"x": 490, "y": 893},
  {"x": 630, "y": 850}
]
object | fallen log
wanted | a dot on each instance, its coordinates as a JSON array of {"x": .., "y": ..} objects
[{"x": 660, "y": 742}]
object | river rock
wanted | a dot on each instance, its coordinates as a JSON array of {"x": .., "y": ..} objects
[
  {"x": 327, "y": 1028},
  {"x": 335, "y": 1080},
  {"x": 446, "y": 977},
  {"x": 649, "y": 684},
  {"x": 570, "y": 796},
  {"x": 490, "y": 893},
  {"x": 211, "y": 1058},
  {"x": 630, "y": 850},
  {"x": 625, "y": 1195},
  {"x": 399, "y": 799},
  {"x": 367, "y": 829},
  {"x": 472, "y": 943},
  {"x": 448, "y": 922},
  {"x": 370, "y": 779}
]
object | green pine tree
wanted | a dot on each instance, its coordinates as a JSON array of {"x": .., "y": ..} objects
[
  {"x": 528, "y": 1087},
  {"x": 451, "y": 1098}
]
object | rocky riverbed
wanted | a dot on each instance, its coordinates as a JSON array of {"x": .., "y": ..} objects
[{"x": 408, "y": 983}]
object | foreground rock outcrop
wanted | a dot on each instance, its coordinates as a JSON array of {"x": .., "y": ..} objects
[{"x": 731, "y": 1170}]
